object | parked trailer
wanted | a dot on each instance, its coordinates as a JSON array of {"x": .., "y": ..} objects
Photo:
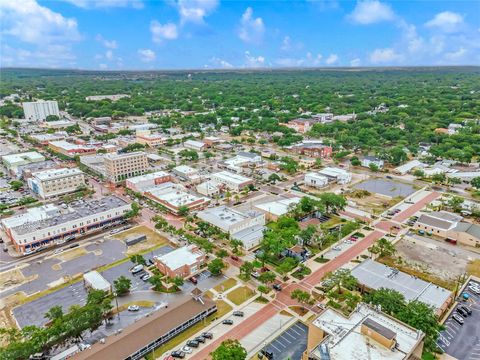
[{"x": 135, "y": 239}]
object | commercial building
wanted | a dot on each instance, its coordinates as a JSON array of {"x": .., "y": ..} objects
[
  {"x": 465, "y": 176},
  {"x": 44, "y": 139},
  {"x": 141, "y": 183},
  {"x": 39, "y": 110},
  {"x": 315, "y": 180},
  {"x": 187, "y": 173},
  {"x": 241, "y": 160},
  {"x": 312, "y": 148},
  {"x": 12, "y": 162},
  {"x": 212, "y": 141},
  {"x": 148, "y": 333},
  {"x": 119, "y": 167},
  {"x": 372, "y": 275},
  {"x": 233, "y": 182},
  {"x": 409, "y": 166},
  {"x": 368, "y": 160},
  {"x": 182, "y": 262},
  {"x": 340, "y": 176},
  {"x": 106, "y": 97},
  {"x": 71, "y": 150},
  {"x": 449, "y": 226},
  {"x": 26, "y": 171},
  {"x": 300, "y": 125},
  {"x": 93, "y": 280},
  {"x": 274, "y": 209},
  {"x": 149, "y": 139},
  {"x": 366, "y": 334},
  {"x": 247, "y": 226},
  {"x": 174, "y": 197},
  {"x": 95, "y": 163},
  {"x": 195, "y": 145},
  {"x": 208, "y": 188},
  {"x": 51, "y": 224},
  {"x": 57, "y": 124},
  {"x": 56, "y": 182}
]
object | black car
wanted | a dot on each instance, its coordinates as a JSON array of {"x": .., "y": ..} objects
[
  {"x": 227, "y": 322},
  {"x": 466, "y": 309},
  {"x": 192, "y": 343},
  {"x": 277, "y": 287},
  {"x": 178, "y": 354},
  {"x": 238, "y": 313},
  {"x": 267, "y": 353},
  {"x": 151, "y": 262},
  {"x": 462, "y": 312},
  {"x": 207, "y": 335},
  {"x": 200, "y": 339}
]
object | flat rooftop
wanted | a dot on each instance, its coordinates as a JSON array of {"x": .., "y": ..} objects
[
  {"x": 113, "y": 156},
  {"x": 26, "y": 156},
  {"x": 186, "y": 255},
  {"x": 145, "y": 331},
  {"x": 146, "y": 177},
  {"x": 346, "y": 341},
  {"x": 224, "y": 217},
  {"x": 375, "y": 275},
  {"x": 68, "y": 146},
  {"x": 278, "y": 207},
  {"x": 231, "y": 177},
  {"x": 51, "y": 215},
  {"x": 172, "y": 194},
  {"x": 57, "y": 173}
]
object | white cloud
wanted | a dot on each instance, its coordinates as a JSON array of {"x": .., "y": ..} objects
[
  {"x": 289, "y": 62},
  {"x": 254, "y": 61},
  {"x": 161, "y": 32},
  {"x": 33, "y": 23},
  {"x": 195, "y": 11},
  {"x": 286, "y": 44},
  {"x": 146, "y": 55},
  {"x": 456, "y": 55},
  {"x": 446, "y": 21},
  {"x": 251, "y": 29},
  {"x": 91, "y": 4},
  {"x": 109, "y": 44},
  {"x": 103, "y": 66},
  {"x": 332, "y": 59},
  {"x": 220, "y": 63},
  {"x": 385, "y": 56},
  {"x": 109, "y": 54},
  {"x": 370, "y": 12},
  {"x": 355, "y": 62},
  {"x": 52, "y": 56}
]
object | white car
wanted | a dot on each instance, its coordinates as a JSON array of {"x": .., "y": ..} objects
[
  {"x": 186, "y": 349},
  {"x": 133, "y": 308}
]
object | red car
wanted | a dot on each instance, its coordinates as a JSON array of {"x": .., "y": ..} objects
[
  {"x": 193, "y": 280},
  {"x": 234, "y": 257}
]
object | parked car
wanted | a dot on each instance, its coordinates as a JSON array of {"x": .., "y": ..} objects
[
  {"x": 227, "y": 322},
  {"x": 265, "y": 353},
  {"x": 238, "y": 313},
  {"x": 136, "y": 269},
  {"x": 466, "y": 309},
  {"x": 194, "y": 280},
  {"x": 146, "y": 277},
  {"x": 178, "y": 354},
  {"x": 200, "y": 339},
  {"x": 458, "y": 319},
  {"x": 462, "y": 312},
  {"x": 277, "y": 287},
  {"x": 234, "y": 257},
  {"x": 192, "y": 343},
  {"x": 207, "y": 335},
  {"x": 256, "y": 274},
  {"x": 133, "y": 308},
  {"x": 187, "y": 350},
  {"x": 151, "y": 262}
]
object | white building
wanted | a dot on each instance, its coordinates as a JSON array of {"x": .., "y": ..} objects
[
  {"x": 94, "y": 280},
  {"x": 195, "y": 145},
  {"x": 13, "y": 161},
  {"x": 50, "y": 224},
  {"x": 142, "y": 182},
  {"x": 247, "y": 227},
  {"x": 274, "y": 209},
  {"x": 466, "y": 177},
  {"x": 106, "y": 97},
  {"x": 315, "y": 180},
  {"x": 242, "y": 159},
  {"x": 39, "y": 110},
  {"x": 340, "y": 176},
  {"x": 56, "y": 182},
  {"x": 173, "y": 197},
  {"x": 208, "y": 188},
  {"x": 409, "y": 166},
  {"x": 231, "y": 181},
  {"x": 367, "y": 160},
  {"x": 186, "y": 172}
]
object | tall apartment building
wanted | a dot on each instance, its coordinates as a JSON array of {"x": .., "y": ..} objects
[
  {"x": 55, "y": 182},
  {"x": 51, "y": 224},
  {"x": 119, "y": 167},
  {"x": 39, "y": 110}
]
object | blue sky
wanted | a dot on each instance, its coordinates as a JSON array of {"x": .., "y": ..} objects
[{"x": 143, "y": 34}]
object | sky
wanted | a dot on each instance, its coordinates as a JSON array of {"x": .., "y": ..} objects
[{"x": 213, "y": 34}]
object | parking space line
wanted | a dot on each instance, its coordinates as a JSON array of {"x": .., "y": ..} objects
[
  {"x": 282, "y": 336},
  {"x": 293, "y": 337},
  {"x": 275, "y": 347},
  {"x": 449, "y": 333}
]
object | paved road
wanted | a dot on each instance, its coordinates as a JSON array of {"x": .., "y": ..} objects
[
  {"x": 283, "y": 298},
  {"x": 405, "y": 214}
]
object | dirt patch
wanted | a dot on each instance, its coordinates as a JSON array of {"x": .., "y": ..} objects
[
  {"x": 11, "y": 278},
  {"x": 98, "y": 252},
  {"x": 72, "y": 254},
  {"x": 57, "y": 267},
  {"x": 300, "y": 310},
  {"x": 371, "y": 203},
  {"x": 153, "y": 239}
]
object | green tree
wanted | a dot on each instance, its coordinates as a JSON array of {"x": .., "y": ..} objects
[
  {"x": 246, "y": 270},
  {"x": 373, "y": 167},
  {"x": 222, "y": 253},
  {"x": 229, "y": 350},
  {"x": 135, "y": 210},
  {"x": 455, "y": 203},
  {"x": 267, "y": 277},
  {"x": 157, "y": 283},
  {"x": 183, "y": 210},
  {"x": 342, "y": 278},
  {"x": 188, "y": 154},
  {"x": 263, "y": 290},
  {"x": 333, "y": 202},
  {"x": 383, "y": 247},
  {"x": 138, "y": 259},
  {"x": 177, "y": 281},
  {"x": 355, "y": 161},
  {"x": 419, "y": 173},
  {"x": 216, "y": 266},
  {"x": 235, "y": 244},
  {"x": 55, "y": 312},
  {"x": 122, "y": 285},
  {"x": 16, "y": 185},
  {"x": 389, "y": 300},
  {"x": 476, "y": 182},
  {"x": 439, "y": 178},
  {"x": 301, "y": 296},
  {"x": 273, "y": 178}
]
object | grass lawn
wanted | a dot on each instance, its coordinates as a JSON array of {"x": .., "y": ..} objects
[
  {"x": 227, "y": 284},
  {"x": 240, "y": 295},
  {"x": 141, "y": 303},
  {"x": 473, "y": 268},
  {"x": 222, "y": 309},
  {"x": 321, "y": 260}
]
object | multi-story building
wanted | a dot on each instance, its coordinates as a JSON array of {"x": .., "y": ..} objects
[
  {"x": 340, "y": 176},
  {"x": 300, "y": 125},
  {"x": 39, "y": 110},
  {"x": 366, "y": 334},
  {"x": 314, "y": 149},
  {"x": 174, "y": 197},
  {"x": 71, "y": 150},
  {"x": 56, "y": 182},
  {"x": 106, "y": 97},
  {"x": 315, "y": 180},
  {"x": 182, "y": 262},
  {"x": 12, "y": 162},
  {"x": 44, "y": 139},
  {"x": 151, "y": 140},
  {"x": 143, "y": 182},
  {"x": 119, "y": 167},
  {"x": 233, "y": 182},
  {"x": 187, "y": 173},
  {"x": 247, "y": 227},
  {"x": 195, "y": 145},
  {"x": 51, "y": 224}
]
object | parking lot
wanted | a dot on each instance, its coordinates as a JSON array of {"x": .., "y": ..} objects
[
  {"x": 385, "y": 187},
  {"x": 290, "y": 344},
  {"x": 463, "y": 341}
]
